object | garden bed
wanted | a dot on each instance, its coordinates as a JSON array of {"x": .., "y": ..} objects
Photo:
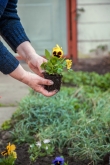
[
  {"x": 98, "y": 65},
  {"x": 22, "y": 145},
  {"x": 23, "y": 155}
]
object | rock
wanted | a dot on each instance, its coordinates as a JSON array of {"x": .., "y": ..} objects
[{"x": 6, "y": 136}]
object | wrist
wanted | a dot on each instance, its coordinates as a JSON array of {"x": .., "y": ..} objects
[
  {"x": 20, "y": 74},
  {"x": 26, "y": 51}
]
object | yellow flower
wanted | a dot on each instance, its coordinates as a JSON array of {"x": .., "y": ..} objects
[
  {"x": 14, "y": 154},
  {"x": 68, "y": 63},
  {"x": 10, "y": 151},
  {"x": 10, "y": 148},
  {"x": 57, "y": 51}
]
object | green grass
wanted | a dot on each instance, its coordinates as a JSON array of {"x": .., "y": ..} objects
[{"x": 7, "y": 105}]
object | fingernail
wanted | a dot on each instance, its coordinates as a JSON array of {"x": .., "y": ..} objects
[{"x": 51, "y": 82}]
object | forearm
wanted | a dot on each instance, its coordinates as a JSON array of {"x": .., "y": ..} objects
[{"x": 20, "y": 74}]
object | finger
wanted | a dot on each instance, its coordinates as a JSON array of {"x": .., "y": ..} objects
[
  {"x": 41, "y": 62},
  {"x": 34, "y": 69},
  {"x": 46, "y": 93},
  {"x": 43, "y": 81},
  {"x": 44, "y": 60},
  {"x": 40, "y": 69}
]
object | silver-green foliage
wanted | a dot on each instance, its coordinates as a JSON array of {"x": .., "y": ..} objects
[{"x": 76, "y": 118}]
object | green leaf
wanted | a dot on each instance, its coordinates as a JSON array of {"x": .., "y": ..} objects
[
  {"x": 60, "y": 70},
  {"x": 47, "y": 54},
  {"x": 43, "y": 65},
  {"x": 53, "y": 60}
]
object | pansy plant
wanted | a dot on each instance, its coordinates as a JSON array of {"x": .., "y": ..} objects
[
  {"x": 40, "y": 148},
  {"x": 9, "y": 155},
  {"x": 58, "y": 161},
  {"x": 54, "y": 67},
  {"x": 56, "y": 62}
]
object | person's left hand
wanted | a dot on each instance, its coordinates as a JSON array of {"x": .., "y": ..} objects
[{"x": 35, "y": 62}]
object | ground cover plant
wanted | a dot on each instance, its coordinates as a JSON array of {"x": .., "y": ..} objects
[
  {"x": 85, "y": 78},
  {"x": 75, "y": 121}
]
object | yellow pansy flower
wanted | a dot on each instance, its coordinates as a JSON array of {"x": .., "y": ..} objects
[
  {"x": 57, "y": 51},
  {"x": 68, "y": 63},
  {"x": 4, "y": 153},
  {"x": 10, "y": 148}
]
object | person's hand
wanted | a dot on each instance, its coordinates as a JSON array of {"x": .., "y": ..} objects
[
  {"x": 37, "y": 83},
  {"x": 33, "y": 60},
  {"x": 32, "y": 80}
]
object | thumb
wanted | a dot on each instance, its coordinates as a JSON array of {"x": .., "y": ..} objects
[
  {"x": 35, "y": 69},
  {"x": 43, "y": 81}
]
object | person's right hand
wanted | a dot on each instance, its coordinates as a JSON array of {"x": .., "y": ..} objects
[
  {"x": 32, "y": 80},
  {"x": 37, "y": 83}
]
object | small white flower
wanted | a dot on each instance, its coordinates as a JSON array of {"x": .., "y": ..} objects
[
  {"x": 47, "y": 141},
  {"x": 38, "y": 144},
  {"x": 46, "y": 147},
  {"x": 31, "y": 145}
]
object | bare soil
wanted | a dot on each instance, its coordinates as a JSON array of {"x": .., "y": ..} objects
[{"x": 98, "y": 65}]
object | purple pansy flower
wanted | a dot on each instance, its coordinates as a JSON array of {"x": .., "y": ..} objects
[{"x": 58, "y": 161}]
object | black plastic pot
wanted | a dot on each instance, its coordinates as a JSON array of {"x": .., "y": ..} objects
[{"x": 56, "y": 79}]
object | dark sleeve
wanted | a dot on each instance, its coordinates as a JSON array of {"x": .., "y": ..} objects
[
  {"x": 11, "y": 28},
  {"x": 8, "y": 63}
]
